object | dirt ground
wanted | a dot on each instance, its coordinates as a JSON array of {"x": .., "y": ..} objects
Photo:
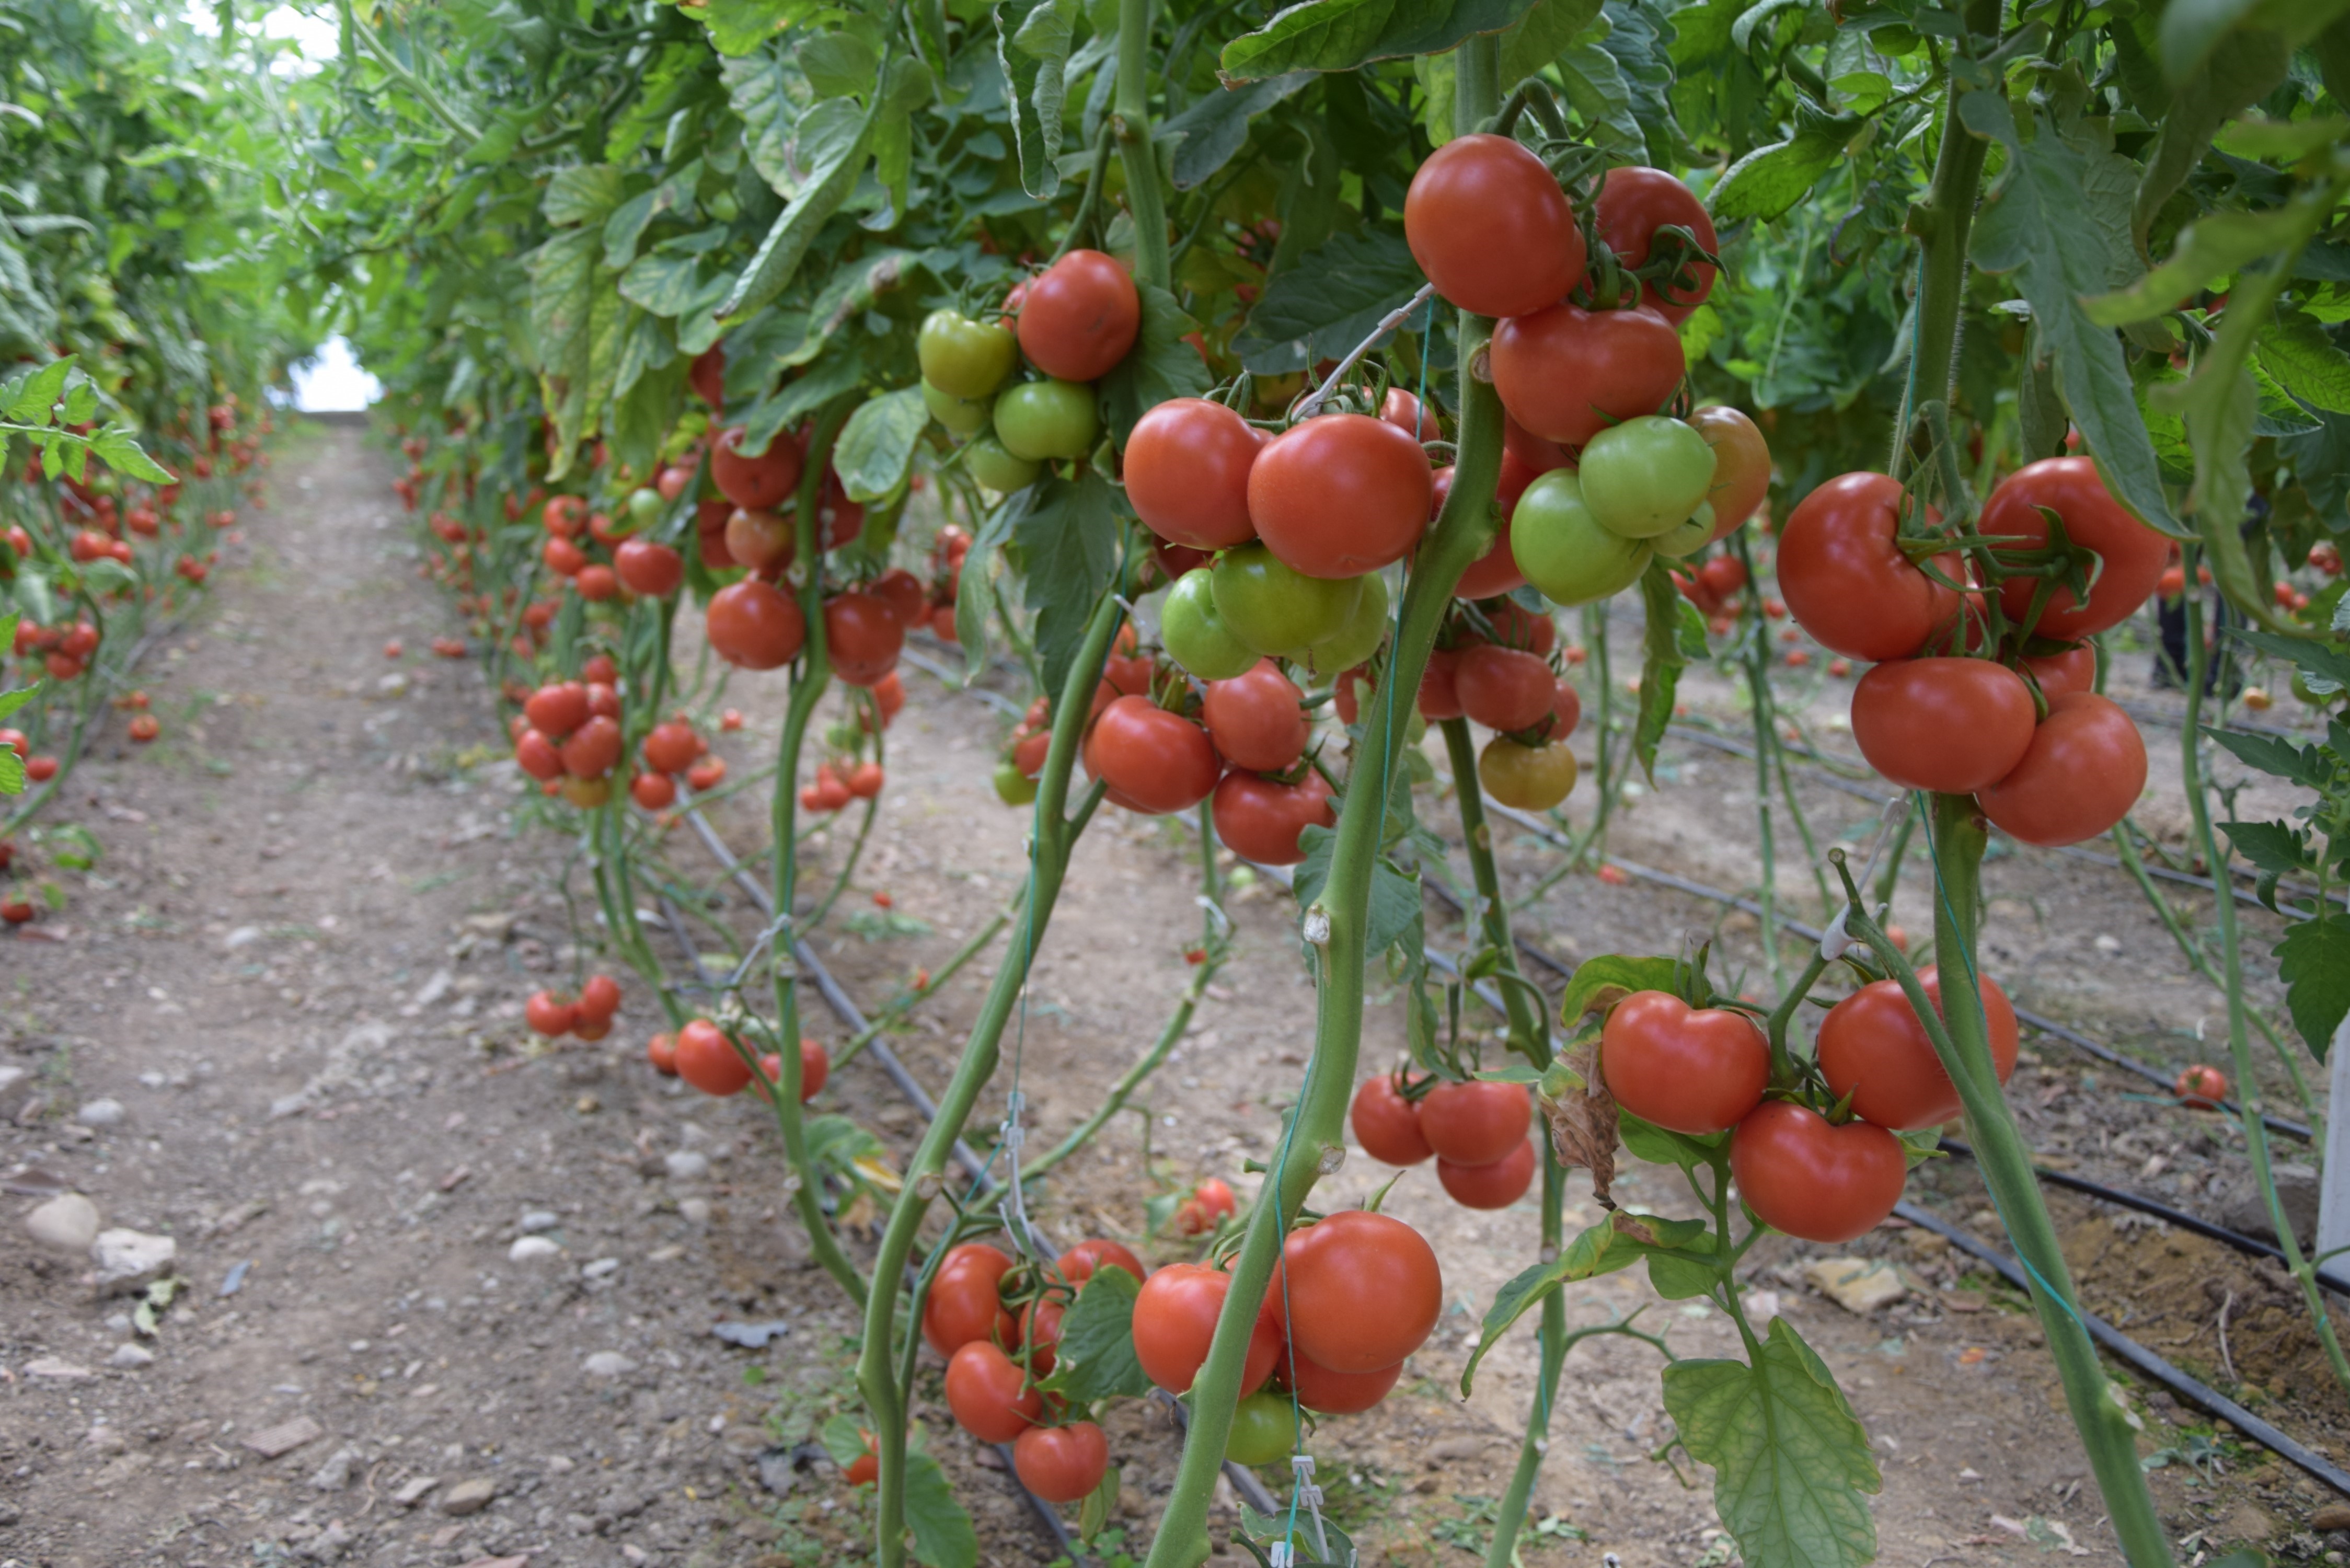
[{"x": 279, "y": 1023}]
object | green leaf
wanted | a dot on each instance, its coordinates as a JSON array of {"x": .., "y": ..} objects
[
  {"x": 842, "y": 1438},
  {"x": 583, "y": 193},
  {"x": 738, "y": 26},
  {"x": 2317, "y": 658},
  {"x": 116, "y": 448},
  {"x": 833, "y": 139},
  {"x": 31, "y": 401},
  {"x": 2238, "y": 73},
  {"x": 1340, "y": 34},
  {"x": 35, "y": 593},
  {"x": 1396, "y": 899},
  {"x": 1768, "y": 181},
  {"x": 1206, "y": 135},
  {"x": 839, "y": 65},
  {"x": 799, "y": 397},
  {"x": 1032, "y": 45},
  {"x": 2294, "y": 348},
  {"x": 2192, "y": 29},
  {"x": 1662, "y": 1145},
  {"x": 2314, "y": 961},
  {"x": 1328, "y": 301},
  {"x": 1095, "y": 1359},
  {"x": 2273, "y": 848},
  {"x": 769, "y": 95},
  {"x": 1541, "y": 35},
  {"x": 1790, "y": 1460},
  {"x": 2060, "y": 220},
  {"x": 2273, "y": 755},
  {"x": 1159, "y": 366},
  {"x": 878, "y": 443},
  {"x": 943, "y": 1535},
  {"x": 1601, "y": 97},
  {"x": 1068, "y": 545},
  {"x": 574, "y": 314},
  {"x": 1660, "y": 669},
  {"x": 2281, "y": 140},
  {"x": 2208, "y": 250},
  {"x": 975, "y": 584},
  {"x": 1601, "y": 983},
  {"x": 12, "y": 771},
  {"x": 106, "y": 575}
]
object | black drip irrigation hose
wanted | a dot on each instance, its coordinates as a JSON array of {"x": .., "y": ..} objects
[{"x": 2200, "y": 1394}]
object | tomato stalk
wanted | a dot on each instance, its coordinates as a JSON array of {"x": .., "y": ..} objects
[
  {"x": 1131, "y": 115},
  {"x": 1961, "y": 1042},
  {"x": 1314, "y": 1141},
  {"x": 608, "y": 863},
  {"x": 1754, "y": 664},
  {"x": 1055, "y": 834},
  {"x": 1529, "y": 1030},
  {"x": 2240, "y": 1051}
]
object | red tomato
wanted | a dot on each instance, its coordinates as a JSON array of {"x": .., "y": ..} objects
[
  {"x": 1633, "y": 203},
  {"x": 1061, "y": 1464},
  {"x": 1872, "y": 1048},
  {"x": 649, "y": 570},
  {"x": 1440, "y": 695},
  {"x": 536, "y": 755},
  {"x": 1254, "y": 720},
  {"x": 547, "y": 1015},
  {"x": 1187, "y": 472},
  {"x": 707, "y": 376},
  {"x": 1160, "y": 761},
  {"x": 964, "y": 1304},
  {"x": 599, "y": 999},
  {"x": 1566, "y": 373},
  {"x": 1260, "y": 819},
  {"x": 1175, "y": 1321},
  {"x": 1741, "y": 467},
  {"x": 2131, "y": 555},
  {"x": 763, "y": 542},
  {"x": 661, "y": 1052},
  {"x": 595, "y": 583},
  {"x": 1340, "y": 495},
  {"x": 903, "y": 593},
  {"x": 1814, "y": 1180},
  {"x": 863, "y": 635},
  {"x": 816, "y": 1067},
  {"x": 2084, "y": 771},
  {"x": 1079, "y": 317},
  {"x": 1359, "y": 1290},
  {"x": 750, "y": 625},
  {"x": 1402, "y": 409},
  {"x": 1040, "y": 1331},
  {"x": 592, "y": 749},
  {"x": 1078, "y": 1263},
  {"x": 2074, "y": 669},
  {"x": 983, "y": 1390},
  {"x": 1503, "y": 688},
  {"x": 1565, "y": 711},
  {"x": 864, "y": 780},
  {"x": 1387, "y": 1125},
  {"x": 1694, "y": 1071},
  {"x": 755, "y": 484},
  {"x": 1514, "y": 626},
  {"x": 1950, "y": 725},
  {"x": 708, "y": 1060},
  {"x": 563, "y": 557},
  {"x": 1475, "y": 1123},
  {"x": 1488, "y": 224},
  {"x": 1496, "y": 1185},
  {"x": 1531, "y": 452},
  {"x": 672, "y": 746},
  {"x": 1846, "y": 583},
  {"x": 654, "y": 792},
  {"x": 2202, "y": 1087}
]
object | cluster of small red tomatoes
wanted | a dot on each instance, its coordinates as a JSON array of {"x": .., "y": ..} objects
[
  {"x": 1476, "y": 1131},
  {"x": 707, "y": 1057},
  {"x": 2051, "y": 770}
]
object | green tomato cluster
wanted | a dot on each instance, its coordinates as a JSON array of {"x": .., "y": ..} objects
[
  {"x": 1639, "y": 491},
  {"x": 1010, "y": 431},
  {"x": 1220, "y": 619}
]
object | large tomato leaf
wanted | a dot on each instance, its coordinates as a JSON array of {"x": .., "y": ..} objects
[
  {"x": 1159, "y": 366},
  {"x": 1328, "y": 301},
  {"x": 1032, "y": 45},
  {"x": 2314, "y": 960},
  {"x": 1791, "y": 1463},
  {"x": 1601, "y": 983},
  {"x": 1095, "y": 1358},
  {"x": 1340, "y": 34},
  {"x": 942, "y": 1531},
  {"x": 876, "y": 445},
  {"x": 1769, "y": 180},
  {"x": 831, "y": 143},
  {"x": 1069, "y": 548}
]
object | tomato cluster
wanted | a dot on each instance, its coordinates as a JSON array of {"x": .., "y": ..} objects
[
  {"x": 707, "y": 1057},
  {"x": 672, "y": 748},
  {"x": 588, "y": 1015},
  {"x": 1475, "y": 1131},
  {"x": 2048, "y": 760},
  {"x": 66, "y": 650},
  {"x": 567, "y": 737}
]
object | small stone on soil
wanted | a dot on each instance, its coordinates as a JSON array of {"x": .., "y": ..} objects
[
  {"x": 67, "y": 1223},
  {"x": 468, "y": 1497}
]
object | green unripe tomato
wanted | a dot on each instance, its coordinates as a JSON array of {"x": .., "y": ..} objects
[
  {"x": 963, "y": 358},
  {"x": 1264, "y": 1430},
  {"x": 997, "y": 469},
  {"x": 1012, "y": 787},
  {"x": 961, "y": 416},
  {"x": 1365, "y": 628},
  {"x": 1195, "y": 635},
  {"x": 1685, "y": 539},
  {"x": 1274, "y": 609},
  {"x": 645, "y": 507},
  {"x": 1561, "y": 548},
  {"x": 1645, "y": 476},
  {"x": 1046, "y": 419}
]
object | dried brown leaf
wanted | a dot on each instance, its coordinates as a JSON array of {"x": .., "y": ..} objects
[{"x": 1583, "y": 1121}]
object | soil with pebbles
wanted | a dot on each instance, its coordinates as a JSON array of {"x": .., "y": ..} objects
[{"x": 299, "y": 966}]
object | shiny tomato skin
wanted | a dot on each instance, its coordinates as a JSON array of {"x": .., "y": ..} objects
[
  {"x": 903, "y": 593},
  {"x": 1474, "y": 1122},
  {"x": 549, "y": 1016},
  {"x": 2202, "y": 1087},
  {"x": 963, "y": 358},
  {"x": 1695, "y": 1071},
  {"x": 599, "y": 999},
  {"x": 862, "y": 636},
  {"x": 1040, "y": 1331},
  {"x": 1358, "y": 1290},
  {"x": 708, "y": 1060},
  {"x": 649, "y": 570},
  {"x": 1187, "y": 472},
  {"x": 1439, "y": 693},
  {"x": 1949, "y": 725},
  {"x": 1080, "y": 1262},
  {"x": 2074, "y": 669},
  {"x": 1264, "y": 1430},
  {"x": 1741, "y": 465},
  {"x": 1503, "y": 688},
  {"x": 592, "y": 749},
  {"x": 1531, "y": 452},
  {"x": 1561, "y": 548},
  {"x": 653, "y": 792},
  {"x": 1872, "y": 1048},
  {"x": 1337, "y": 1393},
  {"x": 661, "y": 1053},
  {"x": 673, "y": 747},
  {"x": 1062, "y": 1464},
  {"x": 557, "y": 708},
  {"x": 536, "y": 755},
  {"x": 1845, "y": 581},
  {"x": 1496, "y": 1184},
  {"x": 1566, "y": 373},
  {"x": 816, "y": 1067},
  {"x": 2083, "y": 772},
  {"x": 1565, "y": 711},
  {"x": 1402, "y": 409},
  {"x": 1813, "y": 1180},
  {"x": 1254, "y": 719},
  {"x": 1340, "y": 495},
  {"x": 1387, "y": 1125},
  {"x": 761, "y": 483},
  {"x": 1262, "y": 819},
  {"x": 1079, "y": 317},
  {"x": 2132, "y": 555},
  {"x": 1160, "y": 761},
  {"x": 1633, "y": 203},
  {"x": 751, "y": 625},
  {"x": 1175, "y": 1321},
  {"x": 1488, "y": 224},
  {"x": 965, "y": 1304},
  {"x": 1269, "y": 605},
  {"x": 983, "y": 1390},
  {"x": 1526, "y": 778}
]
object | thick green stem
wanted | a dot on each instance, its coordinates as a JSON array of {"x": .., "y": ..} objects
[
  {"x": 1504, "y": 1553},
  {"x": 2232, "y": 967},
  {"x": 1529, "y": 1035},
  {"x": 1132, "y": 106},
  {"x": 1941, "y": 223},
  {"x": 1756, "y": 668},
  {"x": 1048, "y": 861},
  {"x": 1314, "y": 1141}
]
